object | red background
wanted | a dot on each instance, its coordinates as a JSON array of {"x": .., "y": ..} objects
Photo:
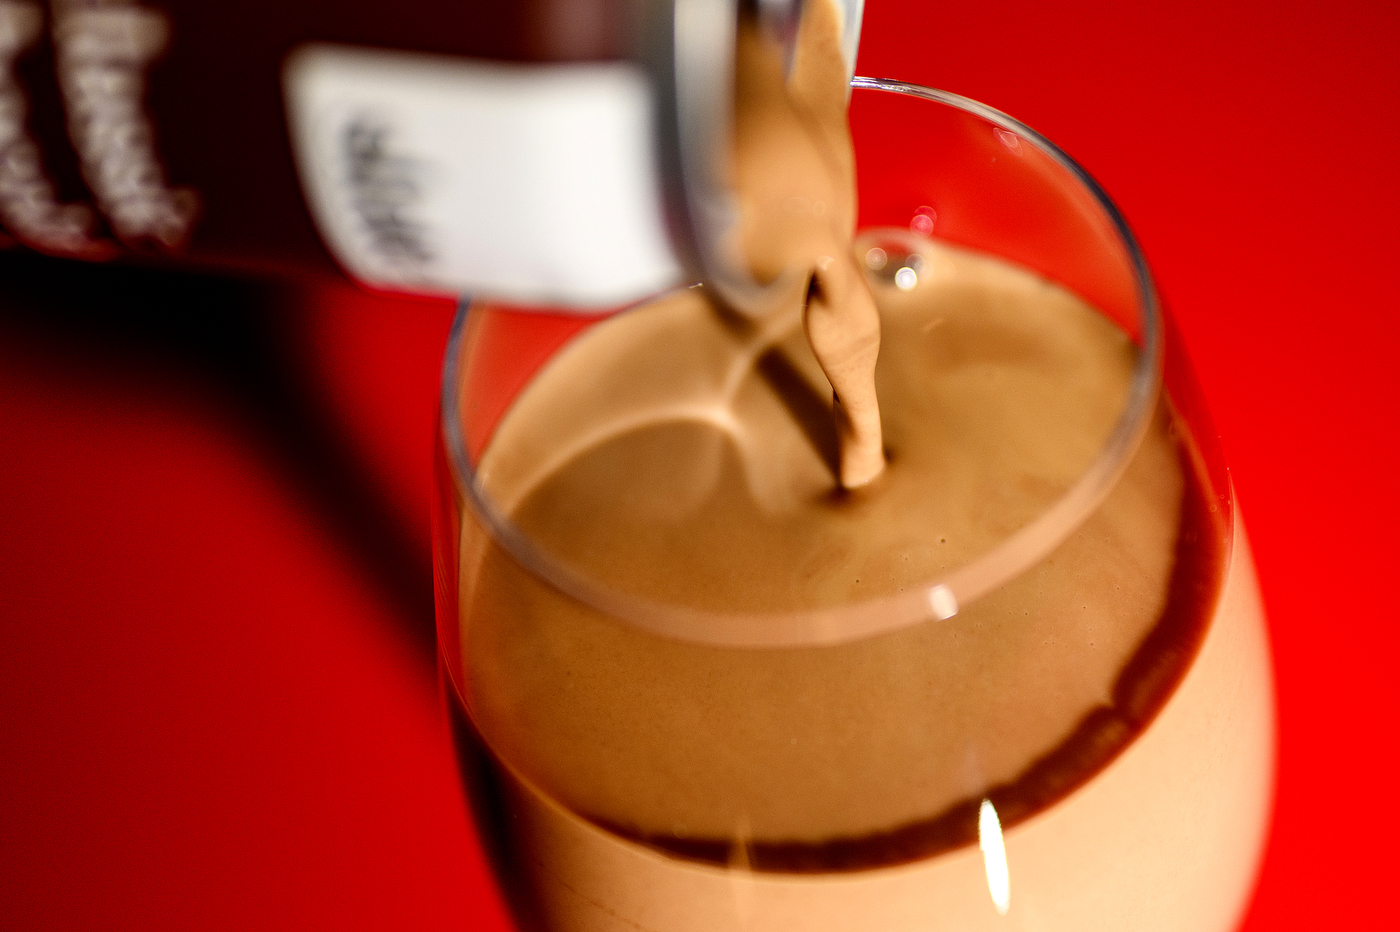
[{"x": 217, "y": 703}]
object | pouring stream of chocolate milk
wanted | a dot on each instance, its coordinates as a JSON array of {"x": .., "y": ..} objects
[{"x": 794, "y": 173}]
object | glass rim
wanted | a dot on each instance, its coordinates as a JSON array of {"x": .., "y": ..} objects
[{"x": 940, "y": 598}]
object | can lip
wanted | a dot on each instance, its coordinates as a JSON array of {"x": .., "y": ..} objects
[
  {"x": 689, "y": 52},
  {"x": 941, "y": 598}
]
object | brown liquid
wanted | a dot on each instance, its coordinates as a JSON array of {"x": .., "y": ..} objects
[
  {"x": 672, "y": 456},
  {"x": 794, "y": 171},
  {"x": 1149, "y": 678},
  {"x": 629, "y": 780}
]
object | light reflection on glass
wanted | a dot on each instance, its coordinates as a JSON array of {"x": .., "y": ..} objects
[
  {"x": 1008, "y": 139},
  {"x": 924, "y": 219},
  {"x": 994, "y": 856},
  {"x": 943, "y": 603}
]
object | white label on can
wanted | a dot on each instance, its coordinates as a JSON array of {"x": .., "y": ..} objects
[{"x": 529, "y": 183}]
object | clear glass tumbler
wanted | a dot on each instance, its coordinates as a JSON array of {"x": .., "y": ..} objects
[{"x": 1060, "y": 719}]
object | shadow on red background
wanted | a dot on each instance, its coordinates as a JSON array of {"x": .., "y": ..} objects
[{"x": 217, "y": 707}]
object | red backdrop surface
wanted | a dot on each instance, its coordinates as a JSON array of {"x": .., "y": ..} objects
[{"x": 217, "y": 702}]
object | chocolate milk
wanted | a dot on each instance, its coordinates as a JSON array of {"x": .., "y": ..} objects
[
  {"x": 1112, "y": 703},
  {"x": 1087, "y": 747},
  {"x": 794, "y": 174}
]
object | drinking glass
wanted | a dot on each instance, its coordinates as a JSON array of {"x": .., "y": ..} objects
[{"x": 958, "y": 752}]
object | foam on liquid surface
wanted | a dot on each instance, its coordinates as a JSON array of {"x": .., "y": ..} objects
[{"x": 676, "y": 454}]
